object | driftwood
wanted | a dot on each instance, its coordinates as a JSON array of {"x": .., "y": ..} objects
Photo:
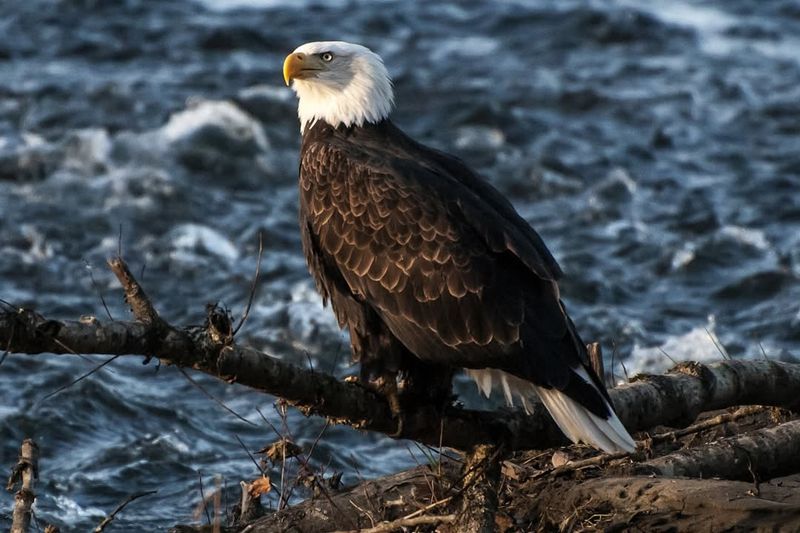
[
  {"x": 766, "y": 453},
  {"x": 675, "y": 398},
  {"x": 24, "y": 474},
  {"x": 534, "y": 489},
  {"x": 371, "y": 504},
  {"x": 608, "y": 495},
  {"x": 648, "y": 504},
  {"x": 535, "y": 497}
]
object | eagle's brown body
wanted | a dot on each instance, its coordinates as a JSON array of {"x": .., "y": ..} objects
[{"x": 429, "y": 267}]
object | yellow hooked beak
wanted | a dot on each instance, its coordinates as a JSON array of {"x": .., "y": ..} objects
[{"x": 299, "y": 66}]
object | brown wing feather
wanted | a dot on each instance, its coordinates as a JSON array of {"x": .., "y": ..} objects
[
  {"x": 409, "y": 253},
  {"x": 439, "y": 256}
]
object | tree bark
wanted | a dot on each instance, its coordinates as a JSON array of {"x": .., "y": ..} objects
[
  {"x": 761, "y": 454},
  {"x": 479, "y": 499},
  {"x": 671, "y": 399},
  {"x": 24, "y": 473},
  {"x": 647, "y": 504}
]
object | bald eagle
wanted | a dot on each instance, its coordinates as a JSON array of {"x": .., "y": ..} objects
[{"x": 428, "y": 266}]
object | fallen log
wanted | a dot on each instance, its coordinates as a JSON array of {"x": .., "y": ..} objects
[
  {"x": 648, "y": 504},
  {"x": 675, "y": 398},
  {"x": 761, "y": 454}
]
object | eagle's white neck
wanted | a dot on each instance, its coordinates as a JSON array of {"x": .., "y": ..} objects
[{"x": 366, "y": 97}]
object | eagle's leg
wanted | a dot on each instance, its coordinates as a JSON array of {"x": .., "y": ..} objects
[
  {"x": 413, "y": 387},
  {"x": 408, "y": 384},
  {"x": 425, "y": 385},
  {"x": 379, "y": 355},
  {"x": 386, "y": 385}
]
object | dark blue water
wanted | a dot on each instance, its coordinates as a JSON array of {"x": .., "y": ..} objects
[{"x": 654, "y": 145}]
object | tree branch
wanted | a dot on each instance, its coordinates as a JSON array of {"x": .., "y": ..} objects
[{"x": 675, "y": 398}]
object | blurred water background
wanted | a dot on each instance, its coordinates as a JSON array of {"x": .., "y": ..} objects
[{"x": 654, "y": 145}]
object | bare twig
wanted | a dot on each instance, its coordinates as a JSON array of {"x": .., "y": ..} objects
[
  {"x": 107, "y": 520},
  {"x": 572, "y": 466},
  {"x": 709, "y": 423},
  {"x": 211, "y": 396},
  {"x": 217, "y": 527},
  {"x": 270, "y": 424},
  {"x": 254, "y": 285},
  {"x": 250, "y": 455},
  {"x": 427, "y": 508},
  {"x": 401, "y": 523},
  {"x": 665, "y": 354},
  {"x": 97, "y": 289},
  {"x": 304, "y": 461},
  {"x": 79, "y": 379},
  {"x": 203, "y": 498},
  {"x": 763, "y": 351},
  {"x": 717, "y": 345}
]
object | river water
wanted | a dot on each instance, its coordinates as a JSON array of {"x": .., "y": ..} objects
[{"x": 654, "y": 145}]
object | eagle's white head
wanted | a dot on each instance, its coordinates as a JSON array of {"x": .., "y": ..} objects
[{"x": 340, "y": 83}]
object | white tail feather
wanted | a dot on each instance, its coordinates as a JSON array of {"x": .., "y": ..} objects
[{"x": 578, "y": 423}]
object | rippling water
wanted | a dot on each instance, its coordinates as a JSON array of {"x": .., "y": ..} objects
[{"x": 654, "y": 145}]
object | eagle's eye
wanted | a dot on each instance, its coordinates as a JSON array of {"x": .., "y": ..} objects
[{"x": 326, "y": 57}]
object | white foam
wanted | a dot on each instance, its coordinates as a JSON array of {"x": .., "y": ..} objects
[
  {"x": 684, "y": 256},
  {"x": 194, "y": 237},
  {"x": 268, "y": 92},
  {"x": 699, "y": 344},
  {"x": 40, "y": 247},
  {"x": 173, "y": 441},
  {"x": 751, "y": 237},
  {"x": 711, "y": 25},
  {"x": 70, "y": 511},
  {"x": 227, "y": 5},
  {"x": 219, "y": 113},
  {"x": 479, "y": 138},
  {"x": 307, "y": 316},
  {"x": 464, "y": 47},
  {"x": 708, "y": 23},
  {"x": 87, "y": 151}
]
